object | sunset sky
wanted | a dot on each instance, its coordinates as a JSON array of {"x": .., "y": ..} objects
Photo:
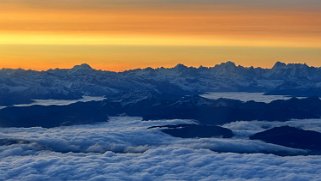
[{"x": 124, "y": 34}]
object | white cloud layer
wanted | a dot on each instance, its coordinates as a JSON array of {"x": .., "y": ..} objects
[
  {"x": 59, "y": 102},
  {"x": 245, "y": 96},
  {"x": 124, "y": 149}
]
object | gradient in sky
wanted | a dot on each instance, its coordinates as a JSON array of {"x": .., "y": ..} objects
[{"x": 124, "y": 34}]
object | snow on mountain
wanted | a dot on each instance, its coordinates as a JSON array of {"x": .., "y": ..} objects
[{"x": 19, "y": 86}]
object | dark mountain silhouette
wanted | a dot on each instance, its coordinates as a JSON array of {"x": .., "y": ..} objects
[
  {"x": 223, "y": 110},
  {"x": 153, "y": 107},
  {"x": 53, "y": 116},
  {"x": 195, "y": 131},
  {"x": 291, "y": 137}
]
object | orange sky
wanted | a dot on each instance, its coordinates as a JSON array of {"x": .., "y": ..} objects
[{"x": 126, "y": 34}]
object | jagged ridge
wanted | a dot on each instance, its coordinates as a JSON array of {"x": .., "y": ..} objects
[{"x": 21, "y": 86}]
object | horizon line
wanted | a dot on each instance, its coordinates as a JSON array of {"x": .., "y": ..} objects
[{"x": 159, "y": 67}]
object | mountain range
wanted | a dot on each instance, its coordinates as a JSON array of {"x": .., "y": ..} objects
[
  {"x": 22, "y": 86},
  {"x": 167, "y": 94}
]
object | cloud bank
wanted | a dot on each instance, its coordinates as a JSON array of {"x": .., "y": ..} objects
[
  {"x": 124, "y": 149},
  {"x": 245, "y": 96}
]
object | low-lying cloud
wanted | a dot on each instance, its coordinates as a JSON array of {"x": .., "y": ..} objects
[
  {"x": 247, "y": 128},
  {"x": 124, "y": 149}
]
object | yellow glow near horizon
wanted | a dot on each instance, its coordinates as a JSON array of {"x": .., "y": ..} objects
[
  {"x": 111, "y": 57},
  {"x": 42, "y": 34},
  {"x": 144, "y": 40}
]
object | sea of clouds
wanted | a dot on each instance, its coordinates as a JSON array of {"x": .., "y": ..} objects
[{"x": 125, "y": 149}]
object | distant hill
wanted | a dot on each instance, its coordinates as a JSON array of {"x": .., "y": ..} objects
[
  {"x": 291, "y": 137},
  {"x": 156, "y": 107}
]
